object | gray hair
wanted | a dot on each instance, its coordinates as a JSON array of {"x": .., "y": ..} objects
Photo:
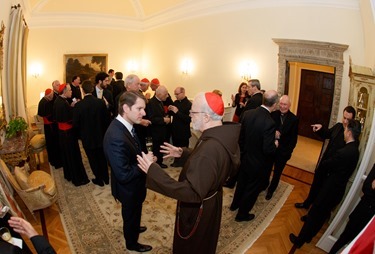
[{"x": 205, "y": 108}]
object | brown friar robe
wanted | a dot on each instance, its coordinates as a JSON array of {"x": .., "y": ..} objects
[{"x": 199, "y": 188}]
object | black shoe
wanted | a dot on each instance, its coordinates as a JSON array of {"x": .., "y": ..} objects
[
  {"x": 247, "y": 217},
  {"x": 97, "y": 182},
  {"x": 163, "y": 165},
  {"x": 142, "y": 229},
  {"x": 297, "y": 242},
  {"x": 269, "y": 195},
  {"x": 301, "y": 205},
  {"x": 304, "y": 218},
  {"x": 84, "y": 182},
  {"x": 140, "y": 248},
  {"x": 233, "y": 208}
]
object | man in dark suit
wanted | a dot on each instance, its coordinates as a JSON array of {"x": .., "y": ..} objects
[
  {"x": 100, "y": 91},
  {"x": 91, "y": 119},
  {"x": 256, "y": 95},
  {"x": 159, "y": 122},
  {"x": 128, "y": 182},
  {"x": 287, "y": 134},
  {"x": 336, "y": 142},
  {"x": 76, "y": 91},
  {"x": 118, "y": 86},
  {"x": 257, "y": 143},
  {"x": 339, "y": 168}
]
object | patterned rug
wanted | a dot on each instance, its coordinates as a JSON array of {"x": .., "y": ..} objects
[{"x": 93, "y": 224}]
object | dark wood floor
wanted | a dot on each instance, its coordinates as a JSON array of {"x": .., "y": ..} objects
[{"x": 273, "y": 240}]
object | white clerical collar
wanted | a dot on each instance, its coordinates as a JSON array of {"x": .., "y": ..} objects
[{"x": 265, "y": 108}]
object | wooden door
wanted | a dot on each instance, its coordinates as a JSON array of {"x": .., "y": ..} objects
[{"x": 315, "y": 100}]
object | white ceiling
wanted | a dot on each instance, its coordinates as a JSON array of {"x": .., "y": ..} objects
[{"x": 140, "y": 15}]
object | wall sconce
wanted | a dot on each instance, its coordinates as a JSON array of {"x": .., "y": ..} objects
[
  {"x": 186, "y": 66},
  {"x": 246, "y": 70},
  {"x": 36, "y": 70}
]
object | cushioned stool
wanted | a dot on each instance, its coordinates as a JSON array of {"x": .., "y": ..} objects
[{"x": 37, "y": 145}]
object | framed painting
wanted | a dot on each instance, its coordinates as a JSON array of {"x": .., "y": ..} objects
[{"x": 86, "y": 66}]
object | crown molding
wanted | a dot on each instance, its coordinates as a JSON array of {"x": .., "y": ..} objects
[{"x": 185, "y": 11}]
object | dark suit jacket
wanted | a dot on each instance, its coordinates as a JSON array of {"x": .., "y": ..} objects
[
  {"x": 339, "y": 168},
  {"x": 156, "y": 114},
  {"x": 91, "y": 118},
  {"x": 257, "y": 139},
  {"x": 107, "y": 94},
  {"x": 255, "y": 101},
  {"x": 128, "y": 182},
  {"x": 289, "y": 133},
  {"x": 118, "y": 88}
]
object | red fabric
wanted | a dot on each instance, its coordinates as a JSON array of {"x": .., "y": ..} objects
[
  {"x": 65, "y": 126},
  {"x": 46, "y": 121},
  {"x": 365, "y": 243},
  {"x": 215, "y": 102}
]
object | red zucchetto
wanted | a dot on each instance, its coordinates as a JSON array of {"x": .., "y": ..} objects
[{"x": 215, "y": 102}]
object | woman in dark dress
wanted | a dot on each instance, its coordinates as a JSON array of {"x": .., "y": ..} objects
[{"x": 239, "y": 101}]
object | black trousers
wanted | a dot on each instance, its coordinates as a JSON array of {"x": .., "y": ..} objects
[
  {"x": 131, "y": 216},
  {"x": 52, "y": 145},
  {"x": 249, "y": 186},
  {"x": 98, "y": 163},
  {"x": 319, "y": 177},
  {"x": 278, "y": 168}
]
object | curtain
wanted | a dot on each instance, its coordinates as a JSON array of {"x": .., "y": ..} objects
[{"x": 15, "y": 66}]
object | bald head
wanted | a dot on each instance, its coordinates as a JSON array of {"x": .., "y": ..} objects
[
  {"x": 161, "y": 93},
  {"x": 284, "y": 104},
  {"x": 270, "y": 99}
]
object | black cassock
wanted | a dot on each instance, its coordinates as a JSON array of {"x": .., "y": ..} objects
[{"x": 71, "y": 156}]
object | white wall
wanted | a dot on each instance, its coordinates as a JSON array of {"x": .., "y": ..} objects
[
  {"x": 216, "y": 44},
  {"x": 368, "y": 21}
]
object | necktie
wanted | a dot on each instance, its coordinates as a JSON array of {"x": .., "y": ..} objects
[{"x": 136, "y": 138}]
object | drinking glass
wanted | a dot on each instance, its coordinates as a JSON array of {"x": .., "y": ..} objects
[
  {"x": 5, "y": 234},
  {"x": 149, "y": 144}
]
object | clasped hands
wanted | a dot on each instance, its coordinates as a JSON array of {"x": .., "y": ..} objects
[{"x": 169, "y": 150}]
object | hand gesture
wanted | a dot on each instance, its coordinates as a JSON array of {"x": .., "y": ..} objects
[
  {"x": 21, "y": 226},
  {"x": 145, "y": 122},
  {"x": 170, "y": 151},
  {"x": 144, "y": 162},
  {"x": 316, "y": 127},
  {"x": 232, "y": 97}
]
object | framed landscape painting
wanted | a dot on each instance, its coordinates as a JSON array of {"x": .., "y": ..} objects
[{"x": 86, "y": 66}]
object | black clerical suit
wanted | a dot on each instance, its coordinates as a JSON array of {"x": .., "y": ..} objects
[
  {"x": 76, "y": 93},
  {"x": 361, "y": 214},
  {"x": 45, "y": 108},
  {"x": 257, "y": 143},
  {"x": 336, "y": 141},
  {"x": 338, "y": 167},
  {"x": 128, "y": 182},
  {"x": 287, "y": 125},
  {"x": 91, "y": 118},
  {"x": 156, "y": 114},
  {"x": 253, "y": 102},
  {"x": 181, "y": 123}
]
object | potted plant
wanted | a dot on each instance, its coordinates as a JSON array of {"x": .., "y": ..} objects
[{"x": 16, "y": 126}]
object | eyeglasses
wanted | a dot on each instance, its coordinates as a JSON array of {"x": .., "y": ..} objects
[
  {"x": 196, "y": 112},
  {"x": 177, "y": 94}
]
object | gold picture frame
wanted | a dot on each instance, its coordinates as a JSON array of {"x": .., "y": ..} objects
[{"x": 86, "y": 66}]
